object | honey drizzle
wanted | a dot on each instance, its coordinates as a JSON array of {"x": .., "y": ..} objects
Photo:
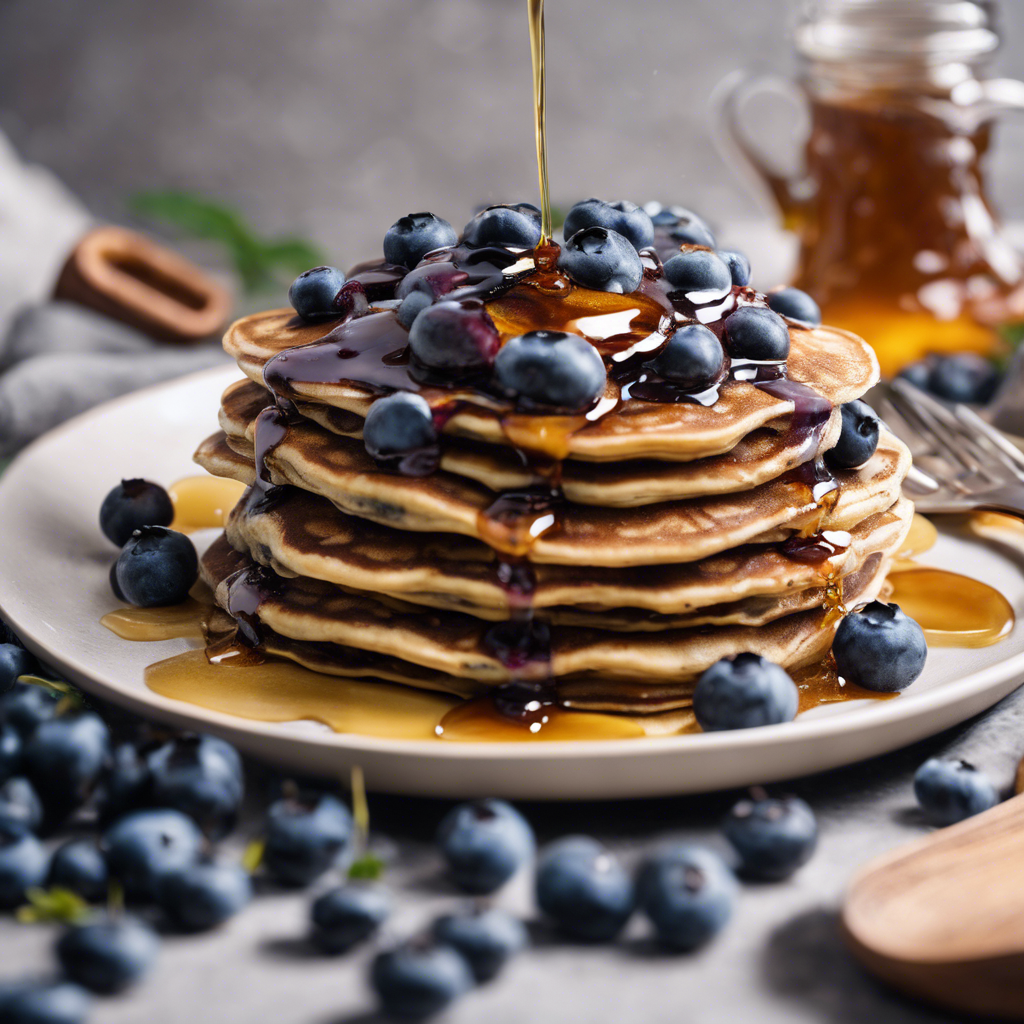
[
  {"x": 203, "y": 502},
  {"x": 535, "y": 9}
]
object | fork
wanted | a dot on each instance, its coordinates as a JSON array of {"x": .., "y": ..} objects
[{"x": 961, "y": 463}]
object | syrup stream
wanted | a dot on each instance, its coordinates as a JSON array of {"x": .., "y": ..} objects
[{"x": 540, "y": 117}]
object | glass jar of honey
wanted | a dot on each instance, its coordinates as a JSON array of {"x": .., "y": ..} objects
[{"x": 898, "y": 240}]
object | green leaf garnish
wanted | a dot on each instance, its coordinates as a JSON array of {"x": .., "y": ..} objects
[
  {"x": 368, "y": 866},
  {"x": 55, "y": 904},
  {"x": 252, "y": 858}
]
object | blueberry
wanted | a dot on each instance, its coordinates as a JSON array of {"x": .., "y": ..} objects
[
  {"x": 963, "y": 377},
  {"x": 202, "y": 896},
  {"x": 432, "y": 280},
  {"x": 306, "y": 833},
  {"x": 624, "y": 217},
  {"x": 411, "y": 237},
  {"x": 454, "y": 335},
  {"x": 583, "y": 888},
  {"x": 79, "y": 867},
  {"x": 23, "y": 863},
  {"x": 398, "y": 424},
  {"x": 417, "y": 980},
  {"x": 739, "y": 267},
  {"x": 688, "y": 893},
  {"x": 312, "y": 294},
  {"x": 703, "y": 276},
  {"x": 485, "y": 843},
  {"x": 347, "y": 915},
  {"x": 26, "y": 707},
  {"x": 796, "y": 305},
  {"x": 411, "y": 307},
  {"x": 859, "y": 437},
  {"x": 11, "y": 751},
  {"x": 20, "y": 804},
  {"x": 127, "y": 784},
  {"x": 15, "y": 661},
  {"x": 879, "y": 648},
  {"x": 918, "y": 373},
  {"x": 603, "y": 260},
  {"x": 509, "y": 224},
  {"x": 950, "y": 791},
  {"x": 144, "y": 846},
  {"x": 486, "y": 938},
  {"x": 683, "y": 225},
  {"x": 753, "y": 332},
  {"x": 551, "y": 369},
  {"x": 132, "y": 505},
  {"x": 157, "y": 567},
  {"x": 772, "y": 836},
  {"x": 743, "y": 692},
  {"x": 107, "y": 956},
  {"x": 54, "y": 1002},
  {"x": 693, "y": 358}
]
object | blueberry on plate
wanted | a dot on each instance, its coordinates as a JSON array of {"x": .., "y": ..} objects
[
  {"x": 26, "y": 707},
  {"x": 44, "y": 1002},
  {"x": 346, "y": 915},
  {"x": 398, "y": 424},
  {"x": 79, "y": 867},
  {"x": 701, "y": 275},
  {"x": 551, "y": 369},
  {"x": 628, "y": 219},
  {"x": 312, "y": 295},
  {"x": 15, "y": 661},
  {"x": 950, "y": 791},
  {"x": 583, "y": 889},
  {"x": 964, "y": 377},
  {"x": 688, "y": 893},
  {"x": 796, "y": 305},
  {"x": 107, "y": 956},
  {"x": 202, "y": 896},
  {"x": 419, "y": 978},
  {"x": 772, "y": 836},
  {"x": 131, "y": 505},
  {"x": 12, "y": 746},
  {"x": 454, "y": 335},
  {"x": 411, "y": 307},
  {"x": 693, "y": 358},
  {"x": 411, "y": 237},
  {"x": 603, "y": 260},
  {"x": 157, "y": 567},
  {"x": 20, "y": 804},
  {"x": 306, "y": 833},
  {"x": 879, "y": 648},
  {"x": 743, "y": 692},
  {"x": 753, "y": 332},
  {"x": 739, "y": 266},
  {"x": 23, "y": 863},
  {"x": 508, "y": 224},
  {"x": 486, "y": 937},
  {"x": 858, "y": 439},
  {"x": 484, "y": 843},
  {"x": 144, "y": 846}
]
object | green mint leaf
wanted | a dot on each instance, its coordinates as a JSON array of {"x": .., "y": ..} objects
[{"x": 369, "y": 866}]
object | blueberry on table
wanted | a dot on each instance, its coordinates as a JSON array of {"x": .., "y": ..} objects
[
  {"x": 398, "y": 424},
  {"x": 79, "y": 867},
  {"x": 603, "y": 260},
  {"x": 693, "y": 358},
  {"x": 487, "y": 938},
  {"x": 628, "y": 219},
  {"x": 14, "y": 662},
  {"x": 950, "y": 791},
  {"x": 551, "y": 369},
  {"x": 772, "y": 836},
  {"x": 157, "y": 567},
  {"x": 313, "y": 292},
  {"x": 411, "y": 237},
  {"x": 12, "y": 747},
  {"x": 202, "y": 896},
  {"x": 107, "y": 956},
  {"x": 753, "y": 332},
  {"x": 20, "y": 804},
  {"x": 964, "y": 377},
  {"x": 144, "y": 846},
  {"x": 879, "y": 648},
  {"x": 25, "y": 707},
  {"x": 45, "y": 1002},
  {"x": 739, "y": 266},
  {"x": 347, "y": 915},
  {"x": 796, "y": 305},
  {"x": 744, "y": 692},
  {"x": 484, "y": 842},
  {"x": 918, "y": 373},
  {"x": 23, "y": 864},
  {"x": 688, "y": 893},
  {"x": 508, "y": 224},
  {"x": 132, "y": 505},
  {"x": 306, "y": 833},
  {"x": 419, "y": 979},
  {"x": 858, "y": 439},
  {"x": 454, "y": 335},
  {"x": 126, "y": 785},
  {"x": 583, "y": 889},
  {"x": 701, "y": 275}
]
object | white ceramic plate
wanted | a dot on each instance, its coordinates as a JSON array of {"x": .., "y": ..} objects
[{"x": 54, "y": 589}]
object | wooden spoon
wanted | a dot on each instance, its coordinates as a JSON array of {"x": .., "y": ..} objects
[{"x": 942, "y": 918}]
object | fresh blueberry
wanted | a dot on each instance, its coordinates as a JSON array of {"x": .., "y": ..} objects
[
  {"x": 743, "y": 692},
  {"x": 551, "y": 369},
  {"x": 202, "y": 896},
  {"x": 753, "y": 332},
  {"x": 509, "y": 224},
  {"x": 11, "y": 752},
  {"x": 312, "y": 296},
  {"x": 454, "y": 335},
  {"x": 306, "y": 833},
  {"x": 487, "y": 938},
  {"x": 411, "y": 307},
  {"x": 950, "y": 791},
  {"x": 26, "y": 707},
  {"x": 583, "y": 888},
  {"x": 157, "y": 567},
  {"x": 796, "y": 305},
  {"x": 127, "y": 784},
  {"x": 879, "y": 648},
  {"x": 739, "y": 266},
  {"x": 603, "y": 260},
  {"x": 411, "y": 237},
  {"x": 431, "y": 279},
  {"x": 773, "y": 836},
  {"x": 964, "y": 377},
  {"x": 693, "y": 358},
  {"x": 485, "y": 843},
  {"x": 132, "y": 505},
  {"x": 52, "y": 1002},
  {"x": 683, "y": 225},
  {"x": 23, "y": 863},
  {"x": 418, "y": 979},
  {"x": 624, "y": 217},
  {"x": 701, "y": 275},
  {"x": 347, "y": 915},
  {"x": 107, "y": 956},
  {"x": 859, "y": 437},
  {"x": 688, "y": 893},
  {"x": 918, "y": 373},
  {"x": 398, "y": 424},
  {"x": 79, "y": 867},
  {"x": 14, "y": 661},
  {"x": 144, "y": 846},
  {"x": 20, "y": 804}
]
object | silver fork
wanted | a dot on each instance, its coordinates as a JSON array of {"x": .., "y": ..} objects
[{"x": 961, "y": 463}]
